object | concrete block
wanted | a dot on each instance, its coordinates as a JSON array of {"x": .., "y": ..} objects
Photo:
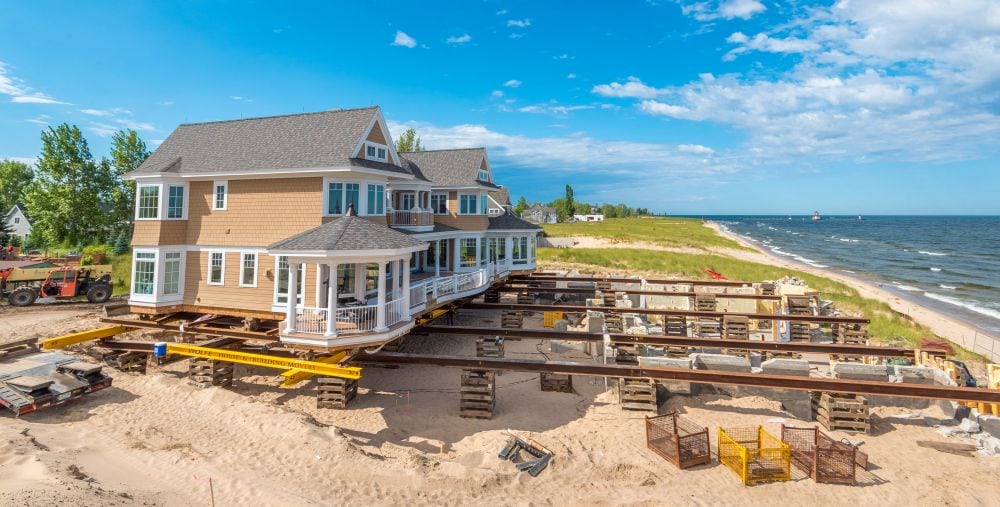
[
  {"x": 990, "y": 424},
  {"x": 917, "y": 375},
  {"x": 561, "y": 347},
  {"x": 858, "y": 371},
  {"x": 795, "y": 367},
  {"x": 670, "y": 363},
  {"x": 721, "y": 362},
  {"x": 969, "y": 426},
  {"x": 561, "y": 325},
  {"x": 595, "y": 322}
]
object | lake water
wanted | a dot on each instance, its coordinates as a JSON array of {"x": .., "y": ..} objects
[{"x": 950, "y": 263}]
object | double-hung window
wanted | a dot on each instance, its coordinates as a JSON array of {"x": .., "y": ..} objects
[
  {"x": 175, "y": 201},
  {"x": 248, "y": 269},
  {"x": 149, "y": 202},
  {"x": 351, "y": 196},
  {"x": 376, "y": 199},
  {"x": 483, "y": 205},
  {"x": 220, "y": 195},
  {"x": 340, "y": 196},
  {"x": 467, "y": 204},
  {"x": 171, "y": 273},
  {"x": 519, "y": 254},
  {"x": 281, "y": 287},
  {"x": 375, "y": 152},
  {"x": 439, "y": 203},
  {"x": 216, "y": 268},
  {"x": 468, "y": 253},
  {"x": 145, "y": 271}
]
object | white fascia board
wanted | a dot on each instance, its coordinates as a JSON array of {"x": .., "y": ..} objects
[
  {"x": 268, "y": 174},
  {"x": 338, "y": 254}
]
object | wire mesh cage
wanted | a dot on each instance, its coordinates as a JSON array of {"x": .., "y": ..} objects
[
  {"x": 825, "y": 460},
  {"x": 678, "y": 440},
  {"x": 754, "y": 455}
]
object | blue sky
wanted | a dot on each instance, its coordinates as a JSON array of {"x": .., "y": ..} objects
[{"x": 731, "y": 106}]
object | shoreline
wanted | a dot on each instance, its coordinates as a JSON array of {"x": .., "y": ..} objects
[{"x": 954, "y": 330}]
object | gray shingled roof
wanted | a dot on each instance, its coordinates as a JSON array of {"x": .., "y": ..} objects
[
  {"x": 296, "y": 141},
  {"x": 502, "y": 196},
  {"x": 450, "y": 168},
  {"x": 347, "y": 233},
  {"x": 437, "y": 228},
  {"x": 509, "y": 222}
]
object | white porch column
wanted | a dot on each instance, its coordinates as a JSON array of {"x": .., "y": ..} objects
[
  {"x": 406, "y": 289},
  {"x": 360, "y": 281},
  {"x": 380, "y": 309},
  {"x": 456, "y": 254},
  {"x": 509, "y": 250},
  {"x": 437, "y": 259},
  {"x": 293, "y": 282},
  {"x": 320, "y": 294},
  {"x": 331, "y": 302}
]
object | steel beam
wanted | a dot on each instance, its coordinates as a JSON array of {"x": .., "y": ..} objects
[
  {"x": 208, "y": 331},
  {"x": 657, "y": 311},
  {"x": 579, "y": 290},
  {"x": 544, "y": 278},
  {"x": 932, "y": 392},
  {"x": 83, "y": 336},
  {"x": 675, "y": 341}
]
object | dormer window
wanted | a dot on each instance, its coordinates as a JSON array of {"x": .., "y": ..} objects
[
  {"x": 375, "y": 152},
  {"x": 484, "y": 175}
]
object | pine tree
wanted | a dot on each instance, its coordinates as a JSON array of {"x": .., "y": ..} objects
[{"x": 121, "y": 244}]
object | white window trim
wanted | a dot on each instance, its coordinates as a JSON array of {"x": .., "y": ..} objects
[
  {"x": 361, "y": 209},
  {"x": 187, "y": 199},
  {"x": 377, "y": 146},
  {"x": 225, "y": 196},
  {"x": 180, "y": 276},
  {"x": 160, "y": 208},
  {"x": 208, "y": 278},
  {"x": 447, "y": 205},
  {"x": 148, "y": 298},
  {"x": 256, "y": 265},
  {"x": 385, "y": 193},
  {"x": 475, "y": 211},
  {"x": 300, "y": 297}
]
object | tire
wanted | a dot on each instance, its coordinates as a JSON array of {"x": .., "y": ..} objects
[
  {"x": 24, "y": 296},
  {"x": 99, "y": 293}
]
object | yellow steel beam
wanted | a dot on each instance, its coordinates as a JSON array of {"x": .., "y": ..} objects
[
  {"x": 294, "y": 377},
  {"x": 83, "y": 336},
  {"x": 232, "y": 356}
]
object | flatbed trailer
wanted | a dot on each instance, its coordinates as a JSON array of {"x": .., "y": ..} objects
[{"x": 30, "y": 380}]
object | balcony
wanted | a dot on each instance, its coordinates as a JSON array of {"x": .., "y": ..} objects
[{"x": 415, "y": 219}]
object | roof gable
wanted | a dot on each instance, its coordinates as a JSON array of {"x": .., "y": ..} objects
[{"x": 451, "y": 168}]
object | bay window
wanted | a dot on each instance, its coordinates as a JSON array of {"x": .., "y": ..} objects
[
  {"x": 172, "y": 274},
  {"x": 149, "y": 202},
  {"x": 519, "y": 253},
  {"x": 175, "y": 201},
  {"x": 468, "y": 204},
  {"x": 145, "y": 271},
  {"x": 340, "y": 196}
]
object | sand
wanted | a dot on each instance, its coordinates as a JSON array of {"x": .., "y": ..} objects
[
  {"x": 957, "y": 331},
  {"x": 156, "y": 440}
]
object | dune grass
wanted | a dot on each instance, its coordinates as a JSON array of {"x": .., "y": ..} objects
[
  {"x": 887, "y": 326},
  {"x": 667, "y": 231}
]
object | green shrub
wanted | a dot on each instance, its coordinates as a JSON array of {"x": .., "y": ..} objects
[
  {"x": 86, "y": 260},
  {"x": 96, "y": 249}
]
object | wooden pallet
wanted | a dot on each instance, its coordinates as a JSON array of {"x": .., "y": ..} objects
[
  {"x": 708, "y": 328},
  {"x": 333, "y": 392},
  {"x": 800, "y": 332},
  {"x": 675, "y": 325},
  {"x": 491, "y": 296},
  {"x": 511, "y": 319},
  {"x": 556, "y": 382},
  {"x": 613, "y": 321},
  {"x": 525, "y": 298},
  {"x": 489, "y": 346},
  {"x": 767, "y": 289},
  {"x": 799, "y": 305},
  {"x": 627, "y": 354},
  {"x": 844, "y": 412},
  {"x": 208, "y": 372},
  {"x": 736, "y": 327},
  {"x": 477, "y": 394},
  {"x": 705, "y": 303},
  {"x": 637, "y": 394}
]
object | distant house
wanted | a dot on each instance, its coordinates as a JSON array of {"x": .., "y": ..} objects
[
  {"x": 18, "y": 221},
  {"x": 539, "y": 214},
  {"x": 592, "y": 217}
]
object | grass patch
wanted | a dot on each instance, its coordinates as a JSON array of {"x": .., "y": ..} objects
[
  {"x": 672, "y": 232},
  {"x": 887, "y": 326},
  {"x": 121, "y": 272}
]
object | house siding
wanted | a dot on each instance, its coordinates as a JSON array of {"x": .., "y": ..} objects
[
  {"x": 159, "y": 232},
  {"x": 230, "y": 294},
  {"x": 464, "y": 222},
  {"x": 376, "y": 135}
]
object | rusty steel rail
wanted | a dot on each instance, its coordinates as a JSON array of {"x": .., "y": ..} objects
[
  {"x": 584, "y": 290},
  {"x": 675, "y": 341},
  {"x": 194, "y": 329},
  {"x": 657, "y": 311},
  {"x": 545, "y": 278},
  {"x": 932, "y": 392}
]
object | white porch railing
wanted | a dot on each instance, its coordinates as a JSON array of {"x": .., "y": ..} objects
[
  {"x": 395, "y": 313},
  {"x": 310, "y": 320},
  {"x": 414, "y": 218},
  {"x": 356, "y": 319},
  {"x": 418, "y": 293}
]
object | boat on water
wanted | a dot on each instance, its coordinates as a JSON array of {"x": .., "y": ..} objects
[
  {"x": 816, "y": 215},
  {"x": 859, "y": 218}
]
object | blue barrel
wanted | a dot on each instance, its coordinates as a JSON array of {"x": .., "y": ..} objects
[{"x": 160, "y": 349}]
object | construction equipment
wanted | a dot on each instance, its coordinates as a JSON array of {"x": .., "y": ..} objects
[
  {"x": 31, "y": 380},
  {"x": 512, "y": 451},
  {"x": 23, "y": 286}
]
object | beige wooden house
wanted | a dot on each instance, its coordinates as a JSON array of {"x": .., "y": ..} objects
[{"x": 315, "y": 220}]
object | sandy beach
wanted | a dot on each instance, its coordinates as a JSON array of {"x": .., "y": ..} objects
[{"x": 957, "y": 331}]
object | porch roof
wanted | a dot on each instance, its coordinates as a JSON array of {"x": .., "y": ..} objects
[{"x": 348, "y": 234}]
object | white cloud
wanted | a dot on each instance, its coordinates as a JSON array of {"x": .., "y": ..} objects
[
  {"x": 404, "y": 40},
  {"x": 632, "y": 88},
  {"x": 103, "y": 129},
  {"x": 501, "y": 12},
  {"x": 106, "y": 112},
  {"x": 880, "y": 80},
  {"x": 516, "y": 35},
  {"x": 695, "y": 148},
  {"x": 24, "y": 160},
  {"x": 134, "y": 125},
  {"x": 512, "y": 83},
  {"x": 563, "y": 56},
  {"x": 496, "y": 94},
  {"x": 19, "y": 92},
  {"x": 554, "y": 109},
  {"x": 459, "y": 39},
  {"x": 519, "y": 23},
  {"x": 571, "y": 76},
  {"x": 42, "y": 119},
  {"x": 725, "y": 9}
]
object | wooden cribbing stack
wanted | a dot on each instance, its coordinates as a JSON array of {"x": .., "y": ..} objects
[
  {"x": 334, "y": 392},
  {"x": 511, "y": 319},
  {"x": 637, "y": 394},
  {"x": 854, "y": 334},
  {"x": 675, "y": 325},
  {"x": 209, "y": 372},
  {"x": 844, "y": 412},
  {"x": 556, "y": 382},
  {"x": 736, "y": 327},
  {"x": 478, "y": 394}
]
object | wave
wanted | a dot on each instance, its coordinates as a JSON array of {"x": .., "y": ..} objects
[
  {"x": 949, "y": 287},
  {"x": 935, "y": 269},
  {"x": 989, "y": 312},
  {"x": 849, "y": 240},
  {"x": 908, "y": 288},
  {"x": 933, "y": 254}
]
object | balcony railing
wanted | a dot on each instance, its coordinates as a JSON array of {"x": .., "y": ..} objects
[{"x": 411, "y": 218}]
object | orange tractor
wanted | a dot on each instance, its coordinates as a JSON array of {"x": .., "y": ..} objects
[{"x": 23, "y": 286}]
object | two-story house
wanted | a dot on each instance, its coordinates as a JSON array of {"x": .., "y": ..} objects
[
  {"x": 18, "y": 222},
  {"x": 316, "y": 221}
]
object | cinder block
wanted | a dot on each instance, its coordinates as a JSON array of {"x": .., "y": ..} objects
[
  {"x": 858, "y": 371},
  {"x": 917, "y": 375},
  {"x": 595, "y": 323},
  {"x": 670, "y": 363},
  {"x": 990, "y": 424},
  {"x": 795, "y": 367},
  {"x": 561, "y": 325},
  {"x": 721, "y": 362}
]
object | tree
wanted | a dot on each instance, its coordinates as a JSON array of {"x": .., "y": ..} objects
[
  {"x": 128, "y": 152},
  {"x": 568, "y": 202},
  {"x": 15, "y": 178},
  {"x": 6, "y": 233},
  {"x": 409, "y": 141},
  {"x": 609, "y": 211},
  {"x": 70, "y": 192},
  {"x": 121, "y": 244},
  {"x": 522, "y": 204}
]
